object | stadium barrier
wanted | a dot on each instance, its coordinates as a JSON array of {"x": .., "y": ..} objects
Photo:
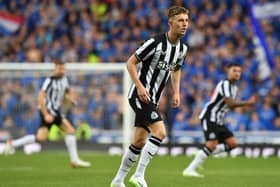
[{"x": 251, "y": 145}]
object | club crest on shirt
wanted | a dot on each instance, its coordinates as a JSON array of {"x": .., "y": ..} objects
[
  {"x": 154, "y": 115},
  {"x": 212, "y": 135}
]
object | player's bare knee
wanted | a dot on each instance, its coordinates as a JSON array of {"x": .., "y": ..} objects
[
  {"x": 42, "y": 135},
  {"x": 158, "y": 130},
  {"x": 211, "y": 145},
  {"x": 41, "y": 140},
  {"x": 70, "y": 131},
  {"x": 233, "y": 145},
  {"x": 160, "y": 135}
]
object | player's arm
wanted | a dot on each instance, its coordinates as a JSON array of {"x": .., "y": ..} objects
[
  {"x": 231, "y": 103},
  {"x": 70, "y": 95},
  {"x": 143, "y": 94},
  {"x": 234, "y": 104},
  {"x": 41, "y": 103},
  {"x": 175, "y": 82}
]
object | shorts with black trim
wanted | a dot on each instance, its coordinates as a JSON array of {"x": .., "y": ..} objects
[
  {"x": 214, "y": 131},
  {"x": 57, "y": 120},
  {"x": 145, "y": 114}
]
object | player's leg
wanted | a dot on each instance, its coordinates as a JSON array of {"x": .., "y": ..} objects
[
  {"x": 151, "y": 120},
  {"x": 11, "y": 145},
  {"x": 211, "y": 134},
  {"x": 71, "y": 144},
  {"x": 228, "y": 139},
  {"x": 28, "y": 139},
  {"x": 199, "y": 159},
  {"x": 220, "y": 148},
  {"x": 225, "y": 147},
  {"x": 158, "y": 133},
  {"x": 41, "y": 136},
  {"x": 130, "y": 156},
  {"x": 230, "y": 143}
]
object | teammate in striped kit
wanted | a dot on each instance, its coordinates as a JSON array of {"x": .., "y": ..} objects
[
  {"x": 218, "y": 137},
  {"x": 50, "y": 97},
  {"x": 157, "y": 59}
]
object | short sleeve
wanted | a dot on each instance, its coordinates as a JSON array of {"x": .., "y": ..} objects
[
  {"x": 46, "y": 84},
  {"x": 182, "y": 56},
  {"x": 225, "y": 89},
  {"x": 146, "y": 49}
]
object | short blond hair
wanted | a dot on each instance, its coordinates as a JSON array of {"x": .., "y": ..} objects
[
  {"x": 175, "y": 10},
  {"x": 58, "y": 62}
]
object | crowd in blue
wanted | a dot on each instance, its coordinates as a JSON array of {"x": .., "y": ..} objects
[{"x": 102, "y": 31}]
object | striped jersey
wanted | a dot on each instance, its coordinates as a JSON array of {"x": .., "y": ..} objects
[
  {"x": 158, "y": 58},
  {"x": 216, "y": 108},
  {"x": 55, "y": 89}
]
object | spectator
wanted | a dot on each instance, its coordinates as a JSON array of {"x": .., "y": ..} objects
[
  {"x": 105, "y": 31},
  {"x": 267, "y": 114},
  {"x": 255, "y": 124}
]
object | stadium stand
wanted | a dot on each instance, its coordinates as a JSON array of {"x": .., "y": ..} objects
[{"x": 96, "y": 31}]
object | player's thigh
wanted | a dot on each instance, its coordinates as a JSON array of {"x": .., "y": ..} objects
[
  {"x": 145, "y": 114},
  {"x": 210, "y": 134},
  {"x": 140, "y": 136},
  {"x": 67, "y": 127},
  {"x": 210, "y": 130},
  {"x": 226, "y": 136},
  {"x": 158, "y": 129},
  {"x": 42, "y": 134}
]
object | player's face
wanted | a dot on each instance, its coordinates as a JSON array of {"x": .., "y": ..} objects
[
  {"x": 59, "y": 70},
  {"x": 179, "y": 24},
  {"x": 234, "y": 73}
]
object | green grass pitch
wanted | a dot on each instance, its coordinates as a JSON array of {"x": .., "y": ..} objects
[{"x": 52, "y": 169}]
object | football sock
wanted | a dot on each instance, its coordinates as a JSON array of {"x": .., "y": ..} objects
[
  {"x": 149, "y": 150},
  {"x": 128, "y": 159},
  {"x": 71, "y": 144},
  {"x": 28, "y": 139},
  {"x": 221, "y": 148},
  {"x": 200, "y": 158}
]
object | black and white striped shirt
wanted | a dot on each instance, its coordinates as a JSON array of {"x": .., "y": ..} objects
[
  {"x": 216, "y": 108},
  {"x": 158, "y": 58},
  {"x": 55, "y": 89}
]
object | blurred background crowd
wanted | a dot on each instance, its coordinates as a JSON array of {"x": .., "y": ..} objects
[{"x": 108, "y": 31}]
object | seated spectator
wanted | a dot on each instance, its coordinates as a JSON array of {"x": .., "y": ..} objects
[
  {"x": 107, "y": 31},
  {"x": 236, "y": 120},
  {"x": 180, "y": 122},
  {"x": 255, "y": 124},
  {"x": 277, "y": 123},
  {"x": 267, "y": 114},
  {"x": 95, "y": 118}
]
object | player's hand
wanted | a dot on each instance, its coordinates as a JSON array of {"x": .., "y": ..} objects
[
  {"x": 176, "y": 101},
  {"x": 49, "y": 118},
  {"x": 143, "y": 94},
  {"x": 72, "y": 98},
  {"x": 74, "y": 101},
  {"x": 252, "y": 100}
]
